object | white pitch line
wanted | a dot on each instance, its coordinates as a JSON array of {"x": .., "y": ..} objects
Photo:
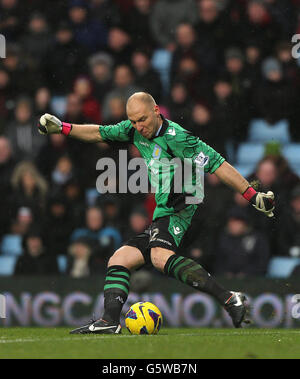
[{"x": 99, "y": 337}]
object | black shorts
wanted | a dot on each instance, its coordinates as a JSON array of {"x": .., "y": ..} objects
[{"x": 159, "y": 234}]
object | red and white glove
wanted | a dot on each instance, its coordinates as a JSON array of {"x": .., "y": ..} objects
[
  {"x": 263, "y": 202},
  {"x": 52, "y": 125}
]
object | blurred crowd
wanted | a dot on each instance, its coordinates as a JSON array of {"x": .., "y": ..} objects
[{"x": 220, "y": 68}]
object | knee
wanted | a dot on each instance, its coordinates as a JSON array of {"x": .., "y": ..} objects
[
  {"x": 128, "y": 257},
  {"x": 155, "y": 257},
  {"x": 159, "y": 257},
  {"x": 116, "y": 259}
]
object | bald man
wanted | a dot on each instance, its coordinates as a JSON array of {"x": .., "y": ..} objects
[{"x": 157, "y": 138}]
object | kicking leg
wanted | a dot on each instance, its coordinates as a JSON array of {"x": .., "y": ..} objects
[
  {"x": 191, "y": 273},
  {"x": 116, "y": 290}
]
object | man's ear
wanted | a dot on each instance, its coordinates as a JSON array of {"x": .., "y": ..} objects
[{"x": 157, "y": 110}]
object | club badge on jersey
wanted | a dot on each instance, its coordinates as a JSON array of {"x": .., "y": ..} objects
[{"x": 157, "y": 152}]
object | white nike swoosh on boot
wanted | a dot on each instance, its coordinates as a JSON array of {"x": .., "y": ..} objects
[{"x": 93, "y": 328}]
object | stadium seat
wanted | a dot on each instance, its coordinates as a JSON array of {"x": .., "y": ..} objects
[
  {"x": 91, "y": 196},
  {"x": 62, "y": 262},
  {"x": 282, "y": 267},
  {"x": 262, "y": 132},
  {"x": 58, "y": 105},
  {"x": 292, "y": 153},
  {"x": 114, "y": 234},
  {"x": 161, "y": 62},
  {"x": 250, "y": 153},
  {"x": 7, "y": 265},
  {"x": 11, "y": 245}
]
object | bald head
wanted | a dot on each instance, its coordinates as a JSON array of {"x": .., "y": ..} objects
[
  {"x": 141, "y": 97},
  {"x": 144, "y": 114}
]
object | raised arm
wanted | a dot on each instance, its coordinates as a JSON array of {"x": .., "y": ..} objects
[
  {"x": 52, "y": 125},
  {"x": 230, "y": 176},
  {"x": 263, "y": 202}
]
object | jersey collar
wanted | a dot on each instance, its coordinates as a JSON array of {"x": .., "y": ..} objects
[{"x": 162, "y": 129}]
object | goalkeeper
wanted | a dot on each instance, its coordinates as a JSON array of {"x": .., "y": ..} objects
[{"x": 157, "y": 138}]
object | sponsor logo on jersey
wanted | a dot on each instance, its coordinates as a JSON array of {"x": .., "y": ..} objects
[
  {"x": 201, "y": 160},
  {"x": 144, "y": 144},
  {"x": 157, "y": 152},
  {"x": 171, "y": 132},
  {"x": 176, "y": 230}
]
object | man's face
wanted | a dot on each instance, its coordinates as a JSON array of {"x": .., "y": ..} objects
[{"x": 144, "y": 118}]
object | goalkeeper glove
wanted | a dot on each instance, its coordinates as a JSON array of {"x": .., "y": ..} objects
[
  {"x": 263, "y": 202},
  {"x": 52, "y": 125}
]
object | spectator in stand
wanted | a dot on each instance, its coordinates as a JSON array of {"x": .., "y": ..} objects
[
  {"x": 196, "y": 80},
  {"x": 188, "y": 46},
  {"x": 29, "y": 189},
  {"x": 205, "y": 127},
  {"x": 229, "y": 115},
  {"x": 90, "y": 106},
  {"x": 101, "y": 74},
  {"x": 58, "y": 225},
  {"x": 119, "y": 46},
  {"x": 22, "y": 221},
  {"x": 24, "y": 79},
  {"x": 253, "y": 75},
  {"x": 289, "y": 228},
  {"x": 22, "y": 131},
  {"x": 60, "y": 69},
  {"x": 253, "y": 60},
  {"x": 63, "y": 171},
  {"x": 103, "y": 243},
  {"x": 42, "y": 101},
  {"x": 124, "y": 87},
  {"x": 241, "y": 251},
  {"x": 89, "y": 33},
  {"x": 110, "y": 206},
  {"x": 105, "y": 11},
  {"x": 7, "y": 164},
  {"x": 284, "y": 12},
  {"x": 145, "y": 76},
  {"x": 235, "y": 68},
  {"x": 37, "y": 40},
  {"x": 290, "y": 71},
  {"x": 35, "y": 260},
  {"x": 166, "y": 16},
  {"x": 74, "y": 201},
  {"x": 82, "y": 261},
  {"x": 259, "y": 26},
  {"x": 74, "y": 111},
  {"x": 11, "y": 19},
  {"x": 116, "y": 111},
  {"x": 80, "y": 153},
  {"x": 48, "y": 156},
  {"x": 289, "y": 65},
  {"x": 287, "y": 178},
  {"x": 138, "y": 24},
  {"x": 138, "y": 223},
  {"x": 212, "y": 219},
  {"x": 6, "y": 98},
  {"x": 275, "y": 100},
  {"x": 180, "y": 104},
  {"x": 214, "y": 33}
]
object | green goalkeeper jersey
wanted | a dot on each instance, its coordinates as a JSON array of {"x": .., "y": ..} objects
[{"x": 172, "y": 144}]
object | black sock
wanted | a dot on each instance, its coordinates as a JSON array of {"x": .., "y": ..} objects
[
  {"x": 191, "y": 273},
  {"x": 116, "y": 291}
]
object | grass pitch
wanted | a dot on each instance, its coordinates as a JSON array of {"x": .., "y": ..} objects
[{"x": 168, "y": 344}]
